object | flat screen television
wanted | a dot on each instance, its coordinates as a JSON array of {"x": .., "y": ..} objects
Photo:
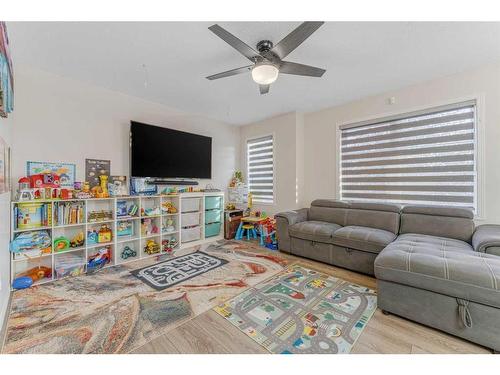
[{"x": 167, "y": 153}]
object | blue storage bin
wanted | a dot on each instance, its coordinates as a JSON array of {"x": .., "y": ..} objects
[
  {"x": 212, "y": 230},
  {"x": 213, "y": 203},
  {"x": 212, "y": 216}
]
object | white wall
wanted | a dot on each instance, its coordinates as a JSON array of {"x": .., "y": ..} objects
[
  {"x": 5, "y": 133},
  {"x": 288, "y": 146},
  {"x": 60, "y": 119},
  {"x": 321, "y": 127}
]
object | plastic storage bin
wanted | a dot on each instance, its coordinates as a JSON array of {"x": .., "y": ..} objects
[
  {"x": 191, "y": 204},
  {"x": 212, "y": 229},
  {"x": 190, "y": 234},
  {"x": 212, "y": 216},
  {"x": 212, "y": 203},
  {"x": 190, "y": 219},
  {"x": 69, "y": 265}
]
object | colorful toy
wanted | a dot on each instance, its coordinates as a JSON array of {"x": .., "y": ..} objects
[
  {"x": 78, "y": 240},
  {"x": 169, "y": 225},
  {"x": 92, "y": 237},
  {"x": 150, "y": 211},
  {"x": 100, "y": 259},
  {"x": 168, "y": 207},
  {"x": 132, "y": 211},
  {"x": 34, "y": 274},
  {"x": 128, "y": 252},
  {"x": 121, "y": 208},
  {"x": 268, "y": 234},
  {"x": 104, "y": 234},
  {"x": 101, "y": 190},
  {"x": 124, "y": 228},
  {"x": 168, "y": 245},
  {"x": 148, "y": 227},
  {"x": 96, "y": 216},
  {"x": 85, "y": 193},
  {"x": 25, "y": 193},
  {"x": 29, "y": 244},
  {"x": 151, "y": 247},
  {"x": 61, "y": 243},
  {"x": 45, "y": 180}
]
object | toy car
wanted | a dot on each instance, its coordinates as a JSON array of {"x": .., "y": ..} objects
[
  {"x": 127, "y": 252},
  {"x": 100, "y": 259}
]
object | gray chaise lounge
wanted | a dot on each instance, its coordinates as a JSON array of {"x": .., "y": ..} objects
[{"x": 432, "y": 264}]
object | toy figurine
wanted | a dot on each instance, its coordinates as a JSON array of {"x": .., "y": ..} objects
[
  {"x": 127, "y": 252},
  {"x": 168, "y": 207},
  {"x": 151, "y": 247},
  {"x": 78, "y": 240}
]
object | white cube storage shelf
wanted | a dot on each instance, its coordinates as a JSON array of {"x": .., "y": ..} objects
[{"x": 189, "y": 228}]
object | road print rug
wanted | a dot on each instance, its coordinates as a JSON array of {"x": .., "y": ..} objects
[
  {"x": 301, "y": 311},
  {"x": 176, "y": 270},
  {"x": 114, "y": 312}
]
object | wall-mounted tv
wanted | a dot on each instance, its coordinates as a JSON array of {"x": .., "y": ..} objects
[{"x": 166, "y": 153}]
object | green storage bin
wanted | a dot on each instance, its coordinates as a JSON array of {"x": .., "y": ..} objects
[
  {"x": 212, "y": 230},
  {"x": 212, "y": 216},
  {"x": 213, "y": 203}
]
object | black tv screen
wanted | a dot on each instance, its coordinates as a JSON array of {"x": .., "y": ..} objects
[{"x": 168, "y": 153}]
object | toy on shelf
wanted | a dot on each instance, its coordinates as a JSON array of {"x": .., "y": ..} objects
[
  {"x": 101, "y": 190},
  {"x": 150, "y": 211},
  {"x": 168, "y": 207},
  {"x": 97, "y": 216},
  {"x": 69, "y": 265},
  {"x": 168, "y": 245},
  {"x": 168, "y": 226},
  {"x": 124, "y": 228},
  {"x": 78, "y": 240},
  {"x": 24, "y": 192},
  {"x": 148, "y": 227},
  {"x": 123, "y": 210},
  {"x": 28, "y": 278},
  {"x": 31, "y": 244},
  {"x": 104, "y": 234},
  {"x": 92, "y": 237},
  {"x": 84, "y": 193},
  {"x": 128, "y": 252},
  {"x": 151, "y": 247},
  {"x": 133, "y": 209},
  {"x": 99, "y": 259},
  {"x": 61, "y": 243}
]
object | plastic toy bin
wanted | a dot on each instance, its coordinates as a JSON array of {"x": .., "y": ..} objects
[
  {"x": 212, "y": 216},
  {"x": 191, "y": 204},
  {"x": 212, "y": 203},
  {"x": 69, "y": 265},
  {"x": 211, "y": 230},
  {"x": 190, "y": 234},
  {"x": 190, "y": 219}
]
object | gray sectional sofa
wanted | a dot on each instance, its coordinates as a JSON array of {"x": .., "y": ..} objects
[{"x": 432, "y": 264}]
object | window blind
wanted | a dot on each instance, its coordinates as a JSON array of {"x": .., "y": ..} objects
[
  {"x": 260, "y": 167},
  {"x": 423, "y": 158}
]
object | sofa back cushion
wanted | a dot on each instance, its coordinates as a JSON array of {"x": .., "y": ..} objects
[
  {"x": 374, "y": 215},
  {"x": 449, "y": 222},
  {"x": 329, "y": 210}
]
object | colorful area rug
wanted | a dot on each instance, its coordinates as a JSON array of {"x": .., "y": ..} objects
[
  {"x": 302, "y": 311},
  {"x": 114, "y": 312},
  {"x": 163, "y": 275}
]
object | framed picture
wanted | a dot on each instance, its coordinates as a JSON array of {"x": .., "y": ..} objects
[
  {"x": 65, "y": 171},
  {"x": 95, "y": 168}
]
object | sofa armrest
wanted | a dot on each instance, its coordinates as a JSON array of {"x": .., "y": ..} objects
[
  {"x": 294, "y": 216},
  {"x": 486, "y": 239},
  {"x": 283, "y": 221}
]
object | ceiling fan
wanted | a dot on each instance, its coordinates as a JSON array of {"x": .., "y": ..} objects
[{"x": 267, "y": 61}]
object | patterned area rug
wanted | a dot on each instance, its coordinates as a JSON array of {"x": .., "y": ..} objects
[
  {"x": 114, "y": 312},
  {"x": 166, "y": 274},
  {"x": 302, "y": 311}
]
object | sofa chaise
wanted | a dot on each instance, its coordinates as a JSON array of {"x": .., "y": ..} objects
[{"x": 432, "y": 264}]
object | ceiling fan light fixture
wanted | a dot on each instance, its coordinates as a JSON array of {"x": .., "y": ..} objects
[{"x": 265, "y": 74}]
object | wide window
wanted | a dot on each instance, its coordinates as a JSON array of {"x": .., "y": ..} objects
[
  {"x": 420, "y": 158},
  {"x": 260, "y": 167}
]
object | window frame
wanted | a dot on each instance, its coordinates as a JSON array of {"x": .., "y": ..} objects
[
  {"x": 247, "y": 167},
  {"x": 477, "y": 100}
]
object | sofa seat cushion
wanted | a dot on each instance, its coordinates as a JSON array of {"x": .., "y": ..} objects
[
  {"x": 318, "y": 231},
  {"x": 441, "y": 265},
  {"x": 363, "y": 238}
]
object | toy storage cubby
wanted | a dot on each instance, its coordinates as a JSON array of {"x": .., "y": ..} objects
[{"x": 89, "y": 215}]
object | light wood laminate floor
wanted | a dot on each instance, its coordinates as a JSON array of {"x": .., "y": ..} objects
[{"x": 210, "y": 333}]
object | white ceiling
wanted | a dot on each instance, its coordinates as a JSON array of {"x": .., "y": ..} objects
[{"x": 361, "y": 59}]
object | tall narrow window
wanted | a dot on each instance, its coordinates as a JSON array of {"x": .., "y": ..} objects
[
  {"x": 260, "y": 167},
  {"x": 420, "y": 158}
]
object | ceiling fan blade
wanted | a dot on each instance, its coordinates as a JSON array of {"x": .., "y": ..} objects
[
  {"x": 264, "y": 89},
  {"x": 288, "y": 67},
  {"x": 230, "y": 73},
  {"x": 234, "y": 42},
  {"x": 295, "y": 38}
]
